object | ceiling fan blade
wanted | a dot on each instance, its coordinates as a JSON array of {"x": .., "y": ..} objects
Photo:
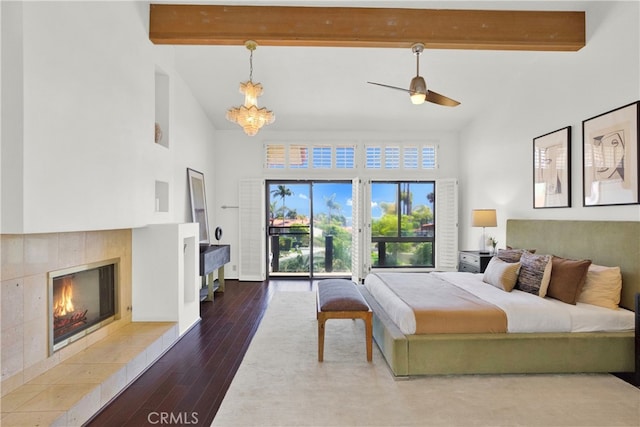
[
  {"x": 436, "y": 98},
  {"x": 390, "y": 87}
]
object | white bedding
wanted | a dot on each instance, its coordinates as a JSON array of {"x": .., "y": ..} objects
[{"x": 523, "y": 310}]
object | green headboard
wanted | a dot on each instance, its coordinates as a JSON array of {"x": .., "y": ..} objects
[{"x": 610, "y": 243}]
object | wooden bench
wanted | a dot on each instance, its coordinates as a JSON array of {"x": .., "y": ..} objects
[{"x": 341, "y": 299}]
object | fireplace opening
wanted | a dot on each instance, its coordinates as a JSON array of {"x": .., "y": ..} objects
[{"x": 82, "y": 299}]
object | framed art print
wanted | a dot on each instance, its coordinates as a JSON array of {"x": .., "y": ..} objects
[
  {"x": 610, "y": 157},
  {"x": 552, "y": 169},
  {"x": 198, "y": 203}
]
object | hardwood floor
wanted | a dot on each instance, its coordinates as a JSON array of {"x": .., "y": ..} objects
[{"x": 187, "y": 385}]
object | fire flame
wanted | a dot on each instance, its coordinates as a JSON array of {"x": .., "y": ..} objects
[{"x": 64, "y": 304}]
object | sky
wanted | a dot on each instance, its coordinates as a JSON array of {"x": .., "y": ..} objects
[
  {"x": 300, "y": 200},
  {"x": 387, "y": 192}
]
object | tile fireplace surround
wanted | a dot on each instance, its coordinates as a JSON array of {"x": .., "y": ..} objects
[{"x": 70, "y": 386}]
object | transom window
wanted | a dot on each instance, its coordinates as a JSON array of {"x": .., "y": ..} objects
[{"x": 395, "y": 156}]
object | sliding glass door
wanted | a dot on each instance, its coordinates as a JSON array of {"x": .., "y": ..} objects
[
  {"x": 309, "y": 232},
  {"x": 332, "y": 220},
  {"x": 402, "y": 224},
  {"x": 289, "y": 230}
]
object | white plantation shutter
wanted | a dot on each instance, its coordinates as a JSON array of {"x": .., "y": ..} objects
[
  {"x": 373, "y": 157},
  {"x": 322, "y": 157},
  {"x": 391, "y": 157},
  {"x": 410, "y": 158},
  {"x": 252, "y": 241},
  {"x": 446, "y": 224},
  {"x": 345, "y": 157},
  {"x": 365, "y": 225},
  {"x": 428, "y": 157},
  {"x": 298, "y": 156},
  {"x": 274, "y": 156},
  {"x": 356, "y": 231}
]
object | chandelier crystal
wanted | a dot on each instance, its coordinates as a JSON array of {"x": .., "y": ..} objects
[{"x": 249, "y": 116}]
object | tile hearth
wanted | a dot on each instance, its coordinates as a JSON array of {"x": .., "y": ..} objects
[{"x": 73, "y": 391}]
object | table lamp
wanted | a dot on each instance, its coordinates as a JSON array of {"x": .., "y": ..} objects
[{"x": 483, "y": 218}]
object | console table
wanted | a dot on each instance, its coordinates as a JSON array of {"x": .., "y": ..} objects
[{"x": 213, "y": 257}]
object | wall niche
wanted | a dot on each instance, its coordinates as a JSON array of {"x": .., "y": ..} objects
[{"x": 161, "y": 131}]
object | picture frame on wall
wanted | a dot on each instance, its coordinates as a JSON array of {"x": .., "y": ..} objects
[
  {"x": 552, "y": 169},
  {"x": 198, "y": 204},
  {"x": 610, "y": 157}
]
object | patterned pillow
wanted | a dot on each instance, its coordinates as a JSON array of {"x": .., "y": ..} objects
[
  {"x": 510, "y": 255},
  {"x": 567, "y": 279},
  {"x": 533, "y": 251},
  {"x": 501, "y": 274},
  {"x": 535, "y": 273}
]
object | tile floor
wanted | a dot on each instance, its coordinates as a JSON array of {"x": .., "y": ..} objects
[{"x": 73, "y": 391}]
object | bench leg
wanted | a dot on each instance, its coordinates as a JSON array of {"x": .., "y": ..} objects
[
  {"x": 321, "y": 321},
  {"x": 369, "y": 332}
]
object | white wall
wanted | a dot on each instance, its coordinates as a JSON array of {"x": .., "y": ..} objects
[
  {"x": 12, "y": 104},
  {"x": 77, "y": 140},
  {"x": 238, "y": 157},
  {"x": 85, "y": 94},
  {"x": 560, "y": 90}
]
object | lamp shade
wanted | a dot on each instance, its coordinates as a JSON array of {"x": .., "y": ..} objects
[{"x": 483, "y": 218}]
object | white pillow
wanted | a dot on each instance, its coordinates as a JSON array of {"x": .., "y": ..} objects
[
  {"x": 503, "y": 275},
  {"x": 602, "y": 287}
]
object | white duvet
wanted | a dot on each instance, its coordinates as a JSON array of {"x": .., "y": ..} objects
[{"x": 525, "y": 312}]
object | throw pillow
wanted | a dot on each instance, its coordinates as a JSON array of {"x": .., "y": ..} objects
[
  {"x": 533, "y": 251},
  {"x": 567, "y": 279},
  {"x": 501, "y": 274},
  {"x": 510, "y": 255},
  {"x": 602, "y": 287},
  {"x": 535, "y": 273}
]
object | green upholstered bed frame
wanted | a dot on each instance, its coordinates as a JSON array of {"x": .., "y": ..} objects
[{"x": 610, "y": 243}]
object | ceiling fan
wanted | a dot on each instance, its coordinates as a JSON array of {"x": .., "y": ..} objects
[{"x": 418, "y": 88}]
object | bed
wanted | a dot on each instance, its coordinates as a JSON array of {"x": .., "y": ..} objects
[{"x": 608, "y": 243}]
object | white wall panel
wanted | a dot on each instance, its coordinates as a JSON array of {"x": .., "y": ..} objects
[
  {"x": 560, "y": 89},
  {"x": 83, "y": 155}
]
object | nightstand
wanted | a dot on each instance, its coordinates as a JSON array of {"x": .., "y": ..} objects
[{"x": 473, "y": 261}]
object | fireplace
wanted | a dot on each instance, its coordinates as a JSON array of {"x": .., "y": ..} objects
[{"x": 82, "y": 299}]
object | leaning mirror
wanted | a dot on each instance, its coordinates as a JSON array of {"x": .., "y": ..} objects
[{"x": 198, "y": 203}]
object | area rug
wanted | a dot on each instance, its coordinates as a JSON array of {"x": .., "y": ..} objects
[{"x": 281, "y": 383}]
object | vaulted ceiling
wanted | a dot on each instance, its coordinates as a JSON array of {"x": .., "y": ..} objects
[{"x": 314, "y": 62}]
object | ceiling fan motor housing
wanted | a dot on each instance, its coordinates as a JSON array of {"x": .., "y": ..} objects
[{"x": 418, "y": 85}]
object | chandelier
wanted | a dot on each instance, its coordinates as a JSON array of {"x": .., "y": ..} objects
[{"x": 249, "y": 116}]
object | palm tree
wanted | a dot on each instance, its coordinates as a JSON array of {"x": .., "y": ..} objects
[
  {"x": 331, "y": 205},
  {"x": 272, "y": 212},
  {"x": 406, "y": 200},
  {"x": 282, "y": 191},
  {"x": 431, "y": 197}
]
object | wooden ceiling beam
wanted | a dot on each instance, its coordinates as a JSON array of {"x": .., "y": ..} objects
[{"x": 367, "y": 27}]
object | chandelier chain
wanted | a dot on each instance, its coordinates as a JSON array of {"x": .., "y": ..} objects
[{"x": 251, "y": 66}]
